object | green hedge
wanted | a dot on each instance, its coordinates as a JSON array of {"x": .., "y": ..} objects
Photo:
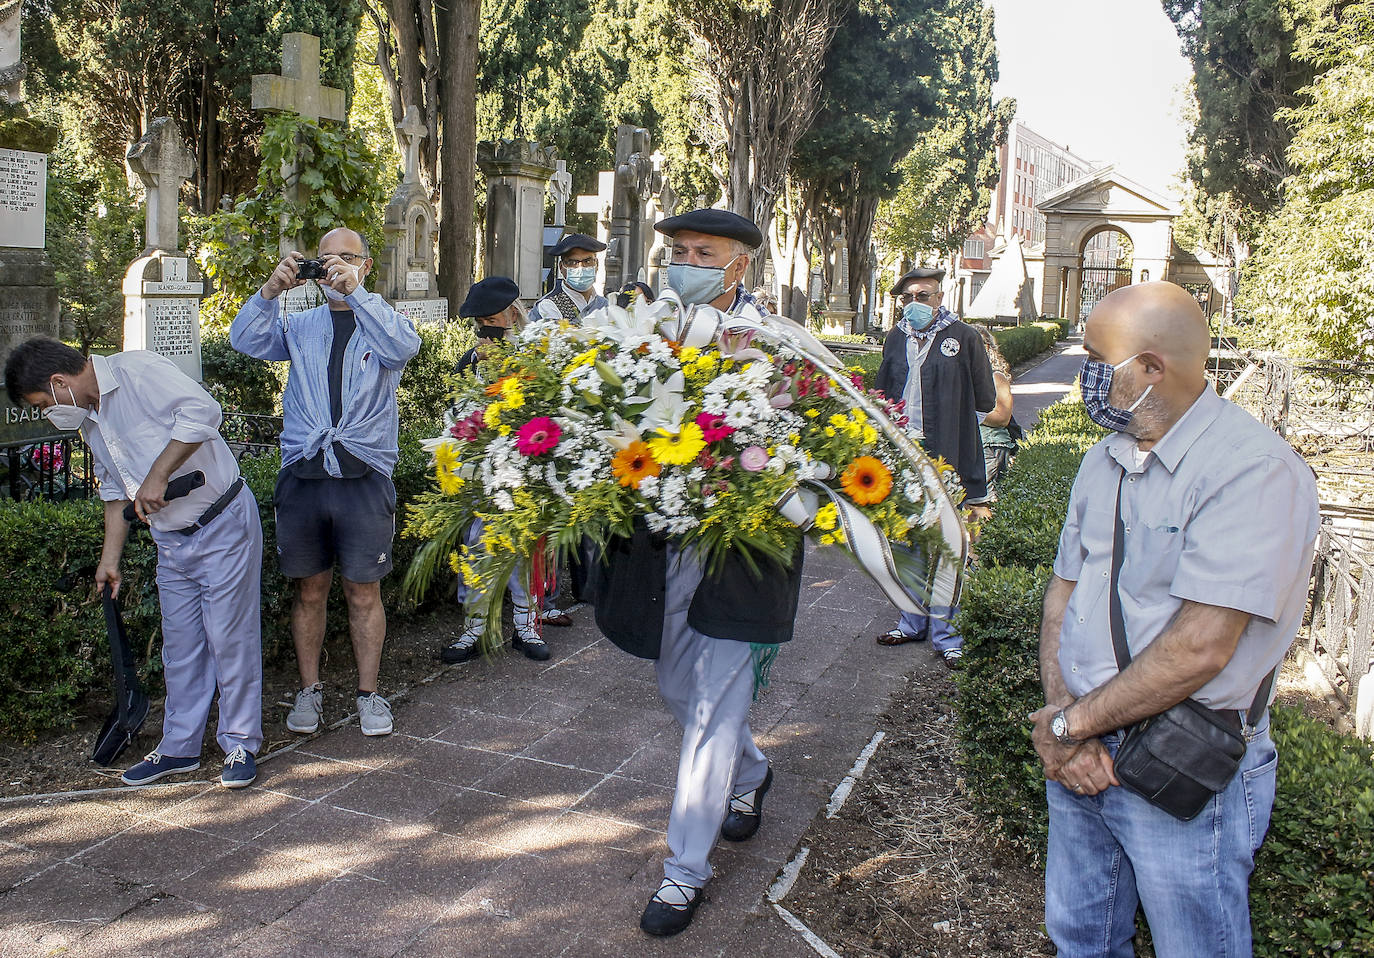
[
  {"x": 240, "y": 383},
  {"x": 427, "y": 382},
  {"x": 1020, "y": 343},
  {"x": 52, "y": 642},
  {"x": 1314, "y": 876}
]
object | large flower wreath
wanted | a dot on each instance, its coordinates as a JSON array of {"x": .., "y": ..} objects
[{"x": 725, "y": 432}]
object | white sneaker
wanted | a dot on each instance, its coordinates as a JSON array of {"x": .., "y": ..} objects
[
  {"x": 305, "y": 716},
  {"x": 374, "y": 714}
]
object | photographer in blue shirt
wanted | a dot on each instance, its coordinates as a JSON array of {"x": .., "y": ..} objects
[{"x": 334, "y": 499}]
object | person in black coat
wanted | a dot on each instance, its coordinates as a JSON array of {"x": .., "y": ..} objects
[{"x": 938, "y": 367}]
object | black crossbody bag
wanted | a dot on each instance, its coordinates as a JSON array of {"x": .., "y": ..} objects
[{"x": 1177, "y": 760}]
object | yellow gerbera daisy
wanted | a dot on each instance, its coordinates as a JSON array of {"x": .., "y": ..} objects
[{"x": 678, "y": 448}]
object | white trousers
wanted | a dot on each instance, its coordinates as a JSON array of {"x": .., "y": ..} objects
[
  {"x": 708, "y": 685},
  {"x": 209, "y": 587}
]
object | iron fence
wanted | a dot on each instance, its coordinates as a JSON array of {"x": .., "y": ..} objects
[
  {"x": 48, "y": 467},
  {"x": 1341, "y": 619},
  {"x": 59, "y": 466}
]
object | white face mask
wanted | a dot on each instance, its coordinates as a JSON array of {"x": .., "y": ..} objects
[{"x": 63, "y": 416}]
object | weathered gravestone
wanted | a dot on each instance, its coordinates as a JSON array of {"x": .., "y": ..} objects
[
  {"x": 630, "y": 199},
  {"x": 163, "y": 288},
  {"x": 11, "y": 66},
  {"x": 298, "y": 90},
  {"x": 838, "y": 315},
  {"x": 28, "y": 289},
  {"x": 405, "y": 268},
  {"x": 518, "y": 173}
]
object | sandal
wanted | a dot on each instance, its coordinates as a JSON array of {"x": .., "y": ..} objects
[
  {"x": 953, "y": 657},
  {"x": 556, "y": 617},
  {"x": 898, "y": 637}
]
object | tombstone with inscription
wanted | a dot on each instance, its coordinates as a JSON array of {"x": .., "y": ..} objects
[
  {"x": 405, "y": 268},
  {"x": 518, "y": 173},
  {"x": 163, "y": 289},
  {"x": 28, "y": 289}
]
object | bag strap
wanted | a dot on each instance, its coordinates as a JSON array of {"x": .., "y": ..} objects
[{"x": 1118, "y": 620}]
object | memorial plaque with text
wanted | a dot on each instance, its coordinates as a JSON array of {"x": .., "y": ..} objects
[
  {"x": 423, "y": 312},
  {"x": 23, "y": 195}
]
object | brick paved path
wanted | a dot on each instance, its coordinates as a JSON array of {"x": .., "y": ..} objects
[{"x": 519, "y": 809}]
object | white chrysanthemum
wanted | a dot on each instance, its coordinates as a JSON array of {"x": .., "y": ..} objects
[
  {"x": 739, "y": 414},
  {"x": 648, "y": 487}
]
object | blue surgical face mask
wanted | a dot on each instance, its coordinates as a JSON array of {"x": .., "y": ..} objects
[
  {"x": 580, "y": 278},
  {"x": 918, "y": 315},
  {"x": 1095, "y": 382},
  {"x": 698, "y": 284}
]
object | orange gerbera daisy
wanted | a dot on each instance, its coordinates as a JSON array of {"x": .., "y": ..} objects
[
  {"x": 867, "y": 481},
  {"x": 633, "y": 463}
]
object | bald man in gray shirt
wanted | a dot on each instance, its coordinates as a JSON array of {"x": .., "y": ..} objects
[{"x": 1220, "y": 519}]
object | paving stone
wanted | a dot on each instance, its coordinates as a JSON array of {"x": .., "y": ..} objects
[
  {"x": 336, "y": 837},
  {"x": 367, "y": 916},
  {"x": 308, "y": 777},
  {"x": 241, "y": 815},
  {"x": 58, "y": 830},
  {"x": 422, "y": 719},
  {"x": 625, "y": 800},
  {"x": 495, "y": 733},
  {"x": 17, "y": 864},
  {"x": 596, "y": 750},
  {"x": 153, "y": 851},
  {"x": 349, "y": 744},
  {"x": 653, "y": 763},
  {"x": 67, "y": 902},
  {"x": 596, "y": 830},
  {"x": 253, "y": 883},
  {"x": 543, "y": 783},
  {"x": 167, "y": 927},
  {"x": 504, "y": 822},
  {"x": 436, "y": 761},
  {"x": 274, "y": 942}
]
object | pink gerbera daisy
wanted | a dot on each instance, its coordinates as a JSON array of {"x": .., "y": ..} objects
[{"x": 537, "y": 436}]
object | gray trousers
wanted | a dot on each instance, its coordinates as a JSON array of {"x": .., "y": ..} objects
[
  {"x": 209, "y": 587},
  {"x": 708, "y": 685}
]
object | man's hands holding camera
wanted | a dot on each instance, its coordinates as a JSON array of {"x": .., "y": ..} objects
[{"x": 329, "y": 270}]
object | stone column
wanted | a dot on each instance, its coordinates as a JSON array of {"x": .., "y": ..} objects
[
  {"x": 163, "y": 288},
  {"x": 518, "y": 173}
]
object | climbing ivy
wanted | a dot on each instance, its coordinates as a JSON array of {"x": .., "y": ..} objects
[{"x": 237, "y": 248}]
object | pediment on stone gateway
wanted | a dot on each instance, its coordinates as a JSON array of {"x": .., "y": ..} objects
[{"x": 1110, "y": 193}]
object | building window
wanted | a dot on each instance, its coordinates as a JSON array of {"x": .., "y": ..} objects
[{"x": 974, "y": 248}]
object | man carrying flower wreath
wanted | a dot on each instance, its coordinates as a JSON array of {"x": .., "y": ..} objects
[{"x": 655, "y": 599}]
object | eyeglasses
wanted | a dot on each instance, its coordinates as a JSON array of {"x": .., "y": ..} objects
[
  {"x": 924, "y": 296},
  {"x": 349, "y": 258}
]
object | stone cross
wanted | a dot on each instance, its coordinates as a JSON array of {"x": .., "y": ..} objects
[
  {"x": 560, "y": 185},
  {"x": 162, "y": 161},
  {"x": 297, "y": 90},
  {"x": 11, "y": 66},
  {"x": 412, "y": 130}
]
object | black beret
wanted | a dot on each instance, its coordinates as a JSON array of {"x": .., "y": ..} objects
[
  {"x": 920, "y": 272},
  {"x": 489, "y": 296},
  {"x": 577, "y": 241},
  {"x": 713, "y": 223}
]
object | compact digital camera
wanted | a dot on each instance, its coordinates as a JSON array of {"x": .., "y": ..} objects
[{"x": 310, "y": 269}]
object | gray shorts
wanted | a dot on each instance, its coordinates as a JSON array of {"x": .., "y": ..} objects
[{"x": 319, "y": 521}]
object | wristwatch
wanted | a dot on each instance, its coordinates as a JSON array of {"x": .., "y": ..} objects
[{"x": 1059, "y": 726}]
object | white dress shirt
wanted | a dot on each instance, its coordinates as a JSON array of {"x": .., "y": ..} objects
[{"x": 145, "y": 403}]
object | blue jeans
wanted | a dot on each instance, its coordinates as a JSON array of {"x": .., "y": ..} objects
[
  {"x": 941, "y": 633},
  {"x": 1112, "y": 851}
]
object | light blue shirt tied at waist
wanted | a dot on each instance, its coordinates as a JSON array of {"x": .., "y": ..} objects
[{"x": 382, "y": 343}]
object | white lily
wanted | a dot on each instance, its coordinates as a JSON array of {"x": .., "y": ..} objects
[
  {"x": 621, "y": 437},
  {"x": 667, "y": 407}
]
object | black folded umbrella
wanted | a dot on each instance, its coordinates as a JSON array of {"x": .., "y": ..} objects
[{"x": 131, "y": 702}]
